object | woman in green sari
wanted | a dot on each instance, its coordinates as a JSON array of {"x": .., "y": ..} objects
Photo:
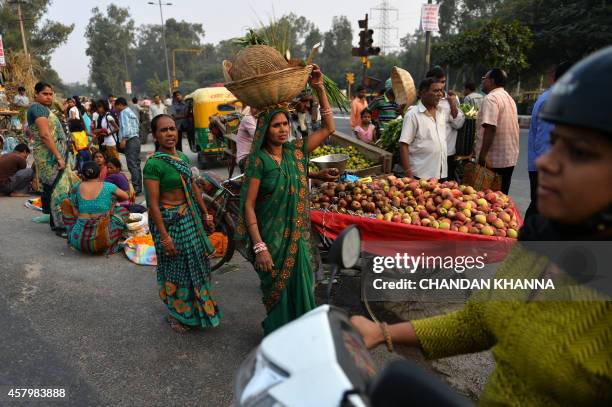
[
  {"x": 176, "y": 210},
  {"x": 50, "y": 155},
  {"x": 274, "y": 226}
]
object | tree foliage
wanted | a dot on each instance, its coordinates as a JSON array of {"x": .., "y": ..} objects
[
  {"x": 493, "y": 44},
  {"x": 43, "y": 37},
  {"x": 110, "y": 38},
  {"x": 335, "y": 57}
]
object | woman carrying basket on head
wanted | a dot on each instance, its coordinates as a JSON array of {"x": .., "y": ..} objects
[
  {"x": 176, "y": 210},
  {"x": 274, "y": 225}
]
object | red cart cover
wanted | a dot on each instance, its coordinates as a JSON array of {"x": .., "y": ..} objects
[{"x": 388, "y": 238}]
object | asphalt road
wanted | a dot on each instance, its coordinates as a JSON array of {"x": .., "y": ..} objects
[{"x": 93, "y": 325}]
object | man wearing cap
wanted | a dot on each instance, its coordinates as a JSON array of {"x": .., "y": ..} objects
[{"x": 384, "y": 108}]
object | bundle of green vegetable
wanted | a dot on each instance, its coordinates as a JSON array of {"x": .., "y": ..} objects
[
  {"x": 389, "y": 138},
  {"x": 468, "y": 110},
  {"x": 253, "y": 37}
]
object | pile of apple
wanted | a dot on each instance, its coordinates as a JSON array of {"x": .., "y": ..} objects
[{"x": 446, "y": 206}]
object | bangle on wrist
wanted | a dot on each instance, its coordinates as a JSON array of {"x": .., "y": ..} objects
[{"x": 387, "y": 336}]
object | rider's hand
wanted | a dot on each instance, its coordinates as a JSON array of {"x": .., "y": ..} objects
[
  {"x": 61, "y": 164},
  {"x": 263, "y": 262},
  {"x": 370, "y": 331}
]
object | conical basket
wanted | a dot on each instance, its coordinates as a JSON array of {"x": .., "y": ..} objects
[{"x": 403, "y": 86}]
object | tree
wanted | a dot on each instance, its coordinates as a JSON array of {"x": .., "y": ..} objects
[
  {"x": 492, "y": 44},
  {"x": 563, "y": 30},
  {"x": 412, "y": 57},
  {"x": 110, "y": 38},
  {"x": 149, "y": 53},
  {"x": 336, "y": 56},
  {"x": 43, "y": 38}
]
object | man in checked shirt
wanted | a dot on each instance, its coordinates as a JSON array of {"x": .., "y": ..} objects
[{"x": 497, "y": 142}]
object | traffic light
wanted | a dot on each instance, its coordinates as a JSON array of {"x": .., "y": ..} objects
[
  {"x": 365, "y": 41},
  {"x": 350, "y": 78}
]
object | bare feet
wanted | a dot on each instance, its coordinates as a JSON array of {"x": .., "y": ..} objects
[{"x": 176, "y": 325}]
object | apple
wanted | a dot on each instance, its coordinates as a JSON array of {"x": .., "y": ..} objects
[
  {"x": 425, "y": 222},
  {"x": 388, "y": 216},
  {"x": 423, "y": 213},
  {"x": 380, "y": 216},
  {"x": 416, "y": 222},
  {"x": 500, "y": 233},
  {"x": 444, "y": 225},
  {"x": 487, "y": 231},
  {"x": 467, "y": 213},
  {"x": 480, "y": 219},
  {"x": 406, "y": 221},
  {"x": 499, "y": 224},
  {"x": 474, "y": 230},
  {"x": 460, "y": 216},
  {"x": 491, "y": 218},
  {"x": 463, "y": 229},
  {"x": 512, "y": 233}
]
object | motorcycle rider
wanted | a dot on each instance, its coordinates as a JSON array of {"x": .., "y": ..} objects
[{"x": 546, "y": 352}]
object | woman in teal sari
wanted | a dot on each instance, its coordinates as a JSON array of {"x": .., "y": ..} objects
[
  {"x": 274, "y": 227},
  {"x": 176, "y": 210},
  {"x": 50, "y": 155}
]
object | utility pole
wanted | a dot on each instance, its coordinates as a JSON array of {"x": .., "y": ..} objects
[
  {"x": 384, "y": 24},
  {"x": 23, "y": 37},
  {"x": 427, "y": 47},
  {"x": 161, "y": 14}
]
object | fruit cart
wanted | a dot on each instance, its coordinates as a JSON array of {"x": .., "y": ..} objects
[
  {"x": 207, "y": 103},
  {"x": 392, "y": 212}
]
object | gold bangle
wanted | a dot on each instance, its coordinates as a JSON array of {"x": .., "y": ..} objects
[{"x": 387, "y": 336}]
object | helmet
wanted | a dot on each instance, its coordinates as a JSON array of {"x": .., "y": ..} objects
[{"x": 581, "y": 96}]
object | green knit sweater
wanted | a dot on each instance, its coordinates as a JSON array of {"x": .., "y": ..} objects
[{"x": 546, "y": 352}]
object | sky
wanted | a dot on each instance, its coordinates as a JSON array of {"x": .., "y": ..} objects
[{"x": 221, "y": 20}]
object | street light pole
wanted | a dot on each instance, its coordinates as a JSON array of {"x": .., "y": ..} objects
[
  {"x": 161, "y": 14},
  {"x": 427, "y": 46}
]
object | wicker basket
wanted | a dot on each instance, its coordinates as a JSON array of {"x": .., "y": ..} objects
[
  {"x": 257, "y": 60},
  {"x": 270, "y": 89},
  {"x": 403, "y": 86}
]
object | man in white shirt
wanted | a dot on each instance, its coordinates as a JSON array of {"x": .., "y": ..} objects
[
  {"x": 423, "y": 138},
  {"x": 454, "y": 121},
  {"x": 21, "y": 99},
  {"x": 454, "y": 118},
  {"x": 157, "y": 107}
]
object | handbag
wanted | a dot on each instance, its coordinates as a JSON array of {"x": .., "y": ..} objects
[{"x": 481, "y": 178}]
